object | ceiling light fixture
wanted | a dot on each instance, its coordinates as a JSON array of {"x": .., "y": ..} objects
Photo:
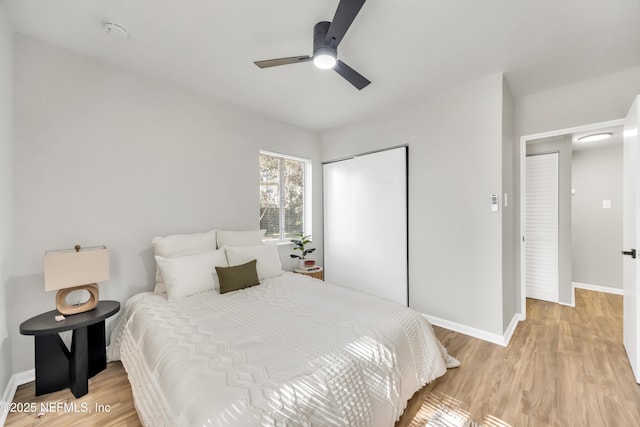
[
  {"x": 117, "y": 31},
  {"x": 324, "y": 62},
  {"x": 595, "y": 137},
  {"x": 324, "y": 57}
]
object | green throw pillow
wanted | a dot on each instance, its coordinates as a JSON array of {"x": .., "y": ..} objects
[{"x": 238, "y": 277}]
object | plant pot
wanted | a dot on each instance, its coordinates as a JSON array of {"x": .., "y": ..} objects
[{"x": 306, "y": 263}]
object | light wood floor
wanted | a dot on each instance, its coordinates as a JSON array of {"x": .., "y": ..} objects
[
  {"x": 564, "y": 367},
  {"x": 109, "y": 403}
]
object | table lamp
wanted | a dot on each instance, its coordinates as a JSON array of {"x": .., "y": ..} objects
[{"x": 76, "y": 269}]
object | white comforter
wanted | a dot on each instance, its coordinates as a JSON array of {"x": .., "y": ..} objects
[{"x": 292, "y": 351}]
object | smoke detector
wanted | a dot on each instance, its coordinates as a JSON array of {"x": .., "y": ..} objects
[{"x": 117, "y": 31}]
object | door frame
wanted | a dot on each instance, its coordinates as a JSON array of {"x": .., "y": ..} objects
[{"x": 523, "y": 194}]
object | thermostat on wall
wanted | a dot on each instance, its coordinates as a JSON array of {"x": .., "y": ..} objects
[{"x": 494, "y": 203}]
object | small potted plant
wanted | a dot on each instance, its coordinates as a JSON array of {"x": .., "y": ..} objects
[{"x": 300, "y": 244}]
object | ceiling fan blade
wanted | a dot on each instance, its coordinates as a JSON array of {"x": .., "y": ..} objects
[
  {"x": 351, "y": 75},
  {"x": 282, "y": 61},
  {"x": 342, "y": 20}
]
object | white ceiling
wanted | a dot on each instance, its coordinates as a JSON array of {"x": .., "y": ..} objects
[{"x": 407, "y": 48}]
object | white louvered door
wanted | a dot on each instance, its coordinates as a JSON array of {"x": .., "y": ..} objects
[{"x": 541, "y": 236}]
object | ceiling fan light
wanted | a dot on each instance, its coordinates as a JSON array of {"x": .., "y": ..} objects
[{"x": 324, "y": 61}]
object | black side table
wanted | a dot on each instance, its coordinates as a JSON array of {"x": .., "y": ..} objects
[{"x": 56, "y": 366}]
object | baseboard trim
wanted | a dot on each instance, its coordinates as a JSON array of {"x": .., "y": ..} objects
[
  {"x": 511, "y": 328},
  {"x": 571, "y": 304},
  {"x": 15, "y": 381},
  {"x": 598, "y": 288},
  {"x": 502, "y": 340}
]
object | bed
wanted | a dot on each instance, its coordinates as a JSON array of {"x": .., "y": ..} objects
[{"x": 291, "y": 351}]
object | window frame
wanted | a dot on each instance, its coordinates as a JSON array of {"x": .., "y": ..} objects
[{"x": 307, "y": 194}]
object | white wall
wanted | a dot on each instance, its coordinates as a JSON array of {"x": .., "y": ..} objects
[
  {"x": 107, "y": 157},
  {"x": 455, "y": 164},
  {"x": 6, "y": 187},
  {"x": 592, "y": 101},
  {"x": 509, "y": 303},
  {"x": 597, "y": 232}
]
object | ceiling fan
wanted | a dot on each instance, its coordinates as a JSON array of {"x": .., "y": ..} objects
[{"x": 326, "y": 38}]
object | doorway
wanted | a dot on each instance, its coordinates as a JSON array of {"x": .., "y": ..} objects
[
  {"x": 597, "y": 211},
  {"x": 556, "y": 140}
]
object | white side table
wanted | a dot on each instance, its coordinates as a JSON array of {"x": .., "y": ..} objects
[{"x": 316, "y": 273}]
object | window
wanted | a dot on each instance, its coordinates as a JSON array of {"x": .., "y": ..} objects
[{"x": 284, "y": 195}]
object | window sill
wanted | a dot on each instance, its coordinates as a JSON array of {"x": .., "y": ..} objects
[{"x": 277, "y": 242}]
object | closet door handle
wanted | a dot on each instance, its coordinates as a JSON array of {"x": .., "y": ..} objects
[{"x": 632, "y": 252}]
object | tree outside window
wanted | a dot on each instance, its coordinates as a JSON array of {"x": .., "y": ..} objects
[{"x": 282, "y": 196}]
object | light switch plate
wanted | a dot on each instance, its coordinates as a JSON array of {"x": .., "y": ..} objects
[{"x": 606, "y": 204}]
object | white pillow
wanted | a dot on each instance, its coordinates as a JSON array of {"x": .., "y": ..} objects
[
  {"x": 268, "y": 264},
  {"x": 191, "y": 274},
  {"x": 240, "y": 238},
  {"x": 180, "y": 245}
]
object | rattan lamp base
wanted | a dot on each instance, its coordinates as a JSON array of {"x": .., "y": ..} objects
[{"x": 64, "y": 308}]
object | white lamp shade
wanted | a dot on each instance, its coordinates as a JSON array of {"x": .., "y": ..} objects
[{"x": 68, "y": 268}]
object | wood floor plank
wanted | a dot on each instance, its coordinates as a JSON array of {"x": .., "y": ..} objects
[
  {"x": 108, "y": 403},
  {"x": 564, "y": 366}
]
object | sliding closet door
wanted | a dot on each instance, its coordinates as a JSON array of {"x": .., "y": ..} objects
[{"x": 365, "y": 223}]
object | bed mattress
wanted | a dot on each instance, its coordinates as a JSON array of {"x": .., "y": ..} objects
[{"x": 293, "y": 351}]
